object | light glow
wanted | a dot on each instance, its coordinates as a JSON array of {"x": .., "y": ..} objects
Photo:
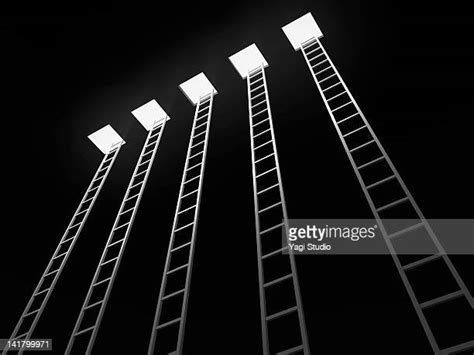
[
  {"x": 105, "y": 138},
  {"x": 302, "y": 30},
  {"x": 197, "y": 87},
  {"x": 247, "y": 59},
  {"x": 150, "y": 114}
]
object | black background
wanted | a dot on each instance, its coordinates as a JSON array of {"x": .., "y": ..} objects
[{"x": 68, "y": 71}]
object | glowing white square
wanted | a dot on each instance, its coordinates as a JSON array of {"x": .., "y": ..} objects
[
  {"x": 150, "y": 114},
  {"x": 197, "y": 87},
  {"x": 105, "y": 138},
  {"x": 301, "y": 30},
  {"x": 247, "y": 59}
]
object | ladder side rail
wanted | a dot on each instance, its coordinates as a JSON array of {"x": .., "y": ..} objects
[
  {"x": 182, "y": 324},
  {"x": 104, "y": 253},
  {"x": 263, "y": 307},
  {"x": 299, "y": 303},
  {"x": 69, "y": 249}
]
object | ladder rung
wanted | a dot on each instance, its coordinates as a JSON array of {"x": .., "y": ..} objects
[
  {"x": 265, "y": 157},
  {"x": 258, "y": 95},
  {"x": 93, "y": 305},
  {"x": 101, "y": 169},
  {"x": 129, "y": 198},
  {"x": 278, "y": 280},
  {"x": 67, "y": 240},
  {"x": 177, "y": 268},
  {"x": 261, "y": 145},
  {"x": 168, "y": 323},
  {"x": 149, "y": 144},
  {"x": 20, "y": 336},
  {"x": 135, "y": 185},
  {"x": 392, "y": 204},
  {"x": 185, "y": 226},
  {"x": 344, "y": 105},
  {"x": 354, "y": 131},
  {"x": 83, "y": 211},
  {"x": 275, "y": 252},
  {"x": 126, "y": 211},
  {"x": 282, "y": 313},
  {"x": 327, "y": 78},
  {"x": 199, "y": 118},
  {"x": 75, "y": 225},
  {"x": 256, "y": 124},
  {"x": 269, "y": 207},
  {"x": 370, "y": 162},
  {"x": 150, "y": 151},
  {"x": 336, "y": 96},
  {"x": 200, "y": 125},
  {"x": 58, "y": 256},
  {"x": 310, "y": 42},
  {"x": 421, "y": 262},
  {"x": 256, "y": 81},
  {"x": 263, "y": 132},
  {"x": 361, "y": 146},
  {"x": 313, "y": 50},
  {"x": 108, "y": 159},
  {"x": 259, "y": 103},
  {"x": 195, "y": 145},
  {"x": 187, "y": 209},
  {"x": 319, "y": 55},
  {"x": 291, "y": 351},
  {"x": 140, "y": 173},
  {"x": 255, "y": 72},
  {"x": 109, "y": 261},
  {"x": 173, "y": 294},
  {"x": 259, "y": 112},
  {"x": 181, "y": 246},
  {"x": 381, "y": 181},
  {"x": 194, "y": 178},
  {"x": 272, "y": 228},
  {"x": 345, "y": 119},
  {"x": 197, "y": 135},
  {"x": 266, "y": 172},
  {"x": 189, "y": 193},
  {"x": 50, "y": 273},
  {"x": 258, "y": 87},
  {"x": 195, "y": 165},
  {"x": 406, "y": 230},
  {"x": 330, "y": 87},
  {"x": 319, "y": 63},
  {"x": 266, "y": 189},
  {"x": 121, "y": 226},
  {"x": 203, "y": 108},
  {"x": 116, "y": 242},
  {"x": 323, "y": 70},
  {"x": 84, "y": 330},
  {"x": 39, "y": 293},
  {"x": 153, "y": 136},
  {"x": 144, "y": 162},
  {"x": 101, "y": 282},
  {"x": 441, "y": 299},
  {"x": 459, "y": 347},
  {"x": 30, "y": 313}
]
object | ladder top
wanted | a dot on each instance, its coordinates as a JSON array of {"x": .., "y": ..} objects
[
  {"x": 150, "y": 115},
  {"x": 247, "y": 60},
  {"x": 301, "y": 30},
  {"x": 106, "y": 138},
  {"x": 196, "y": 87}
]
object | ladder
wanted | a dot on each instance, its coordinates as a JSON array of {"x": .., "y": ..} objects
[
  {"x": 365, "y": 152},
  {"x": 270, "y": 217},
  {"x": 170, "y": 317},
  {"x": 92, "y": 311},
  {"x": 35, "y": 307}
]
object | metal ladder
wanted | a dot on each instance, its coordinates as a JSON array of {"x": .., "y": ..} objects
[
  {"x": 270, "y": 217},
  {"x": 87, "y": 325},
  {"x": 358, "y": 138},
  {"x": 35, "y": 307},
  {"x": 172, "y": 305}
]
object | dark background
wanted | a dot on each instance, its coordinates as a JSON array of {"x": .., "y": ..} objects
[{"x": 68, "y": 71}]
